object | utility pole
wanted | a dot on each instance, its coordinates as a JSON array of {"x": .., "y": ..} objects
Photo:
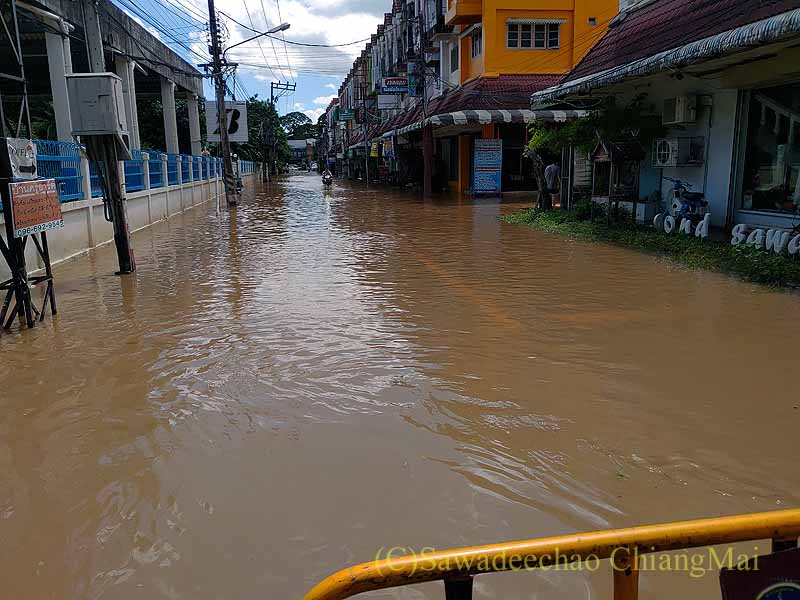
[
  {"x": 217, "y": 63},
  {"x": 106, "y": 151},
  {"x": 280, "y": 87}
]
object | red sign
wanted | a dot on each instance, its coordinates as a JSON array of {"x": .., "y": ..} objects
[{"x": 35, "y": 207}]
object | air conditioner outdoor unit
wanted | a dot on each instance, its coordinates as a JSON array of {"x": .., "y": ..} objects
[
  {"x": 665, "y": 152},
  {"x": 679, "y": 152},
  {"x": 679, "y": 110}
]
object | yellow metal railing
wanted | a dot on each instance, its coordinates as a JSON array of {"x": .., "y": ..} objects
[{"x": 625, "y": 548}]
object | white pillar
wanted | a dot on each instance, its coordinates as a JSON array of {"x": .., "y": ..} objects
[
  {"x": 170, "y": 117},
  {"x": 57, "y": 66},
  {"x": 125, "y": 69},
  {"x": 194, "y": 124}
]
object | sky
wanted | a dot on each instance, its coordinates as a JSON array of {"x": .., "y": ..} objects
[{"x": 318, "y": 72}]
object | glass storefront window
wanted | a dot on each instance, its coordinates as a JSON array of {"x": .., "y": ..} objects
[{"x": 771, "y": 178}]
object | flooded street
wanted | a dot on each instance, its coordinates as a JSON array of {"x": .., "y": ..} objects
[{"x": 287, "y": 389}]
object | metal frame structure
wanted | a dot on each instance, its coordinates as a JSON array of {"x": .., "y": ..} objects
[
  {"x": 12, "y": 37},
  {"x": 623, "y": 547}
]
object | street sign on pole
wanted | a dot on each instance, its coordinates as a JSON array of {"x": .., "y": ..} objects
[
  {"x": 35, "y": 207},
  {"x": 237, "y": 121}
]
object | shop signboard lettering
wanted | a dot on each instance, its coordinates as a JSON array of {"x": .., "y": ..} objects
[
  {"x": 35, "y": 207},
  {"x": 668, "y": 224},
  {"x": 771, "y": 240},
  {"x": 487, "y": 167},
  {"x": 394, "y": 85}
]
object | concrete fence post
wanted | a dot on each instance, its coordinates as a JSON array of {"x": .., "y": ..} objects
[
  {"x": 146, "y": 184},
  {"x": 165, "y": 178},
  {"x": 86, "y": 188},
  {"x": 179, "y": 162}
]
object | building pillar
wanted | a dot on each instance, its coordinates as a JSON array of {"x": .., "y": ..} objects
[
  {"x": 170, "y": 116},
  {"x": 489, "y": 131},
  {"x": 57, "y": 65},
  {"x": 427, "y": 159},
  {"x": 464, "y": 159},
  {"x": 126, "y": 69},
  {"x": 193, "y": 107}
]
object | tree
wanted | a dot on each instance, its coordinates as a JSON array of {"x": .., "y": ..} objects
[
  {"x": 264, "y": 126},
  {"x": 298, "y": 126}
]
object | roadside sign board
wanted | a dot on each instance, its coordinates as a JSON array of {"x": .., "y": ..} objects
[
  {"x": 375, "y": 149},
  {"x": 487, "y": 167},
  {"x": 347, "y": 114},
  {"x": 388, "y": 101},
  {"x": 237, "y": 121},
  {"x": 394, "y": 85},
  {"x": 35, "y": 207},
  {"x": 22, "y": 156}
]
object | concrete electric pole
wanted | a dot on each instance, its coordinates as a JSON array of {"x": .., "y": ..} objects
[{"x": 217, "y": 61}]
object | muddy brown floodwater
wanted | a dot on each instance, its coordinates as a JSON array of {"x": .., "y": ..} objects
[{"x": 284, "y": 390}]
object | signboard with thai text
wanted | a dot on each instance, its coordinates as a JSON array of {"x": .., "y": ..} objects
[
  {"x": 35, "y": 207},
  {"x": 487, "y": 167},
  {"x": 394, "y": 85},
  {"x": 347, "y": 114},
  {"x": 388, "y": 101}
]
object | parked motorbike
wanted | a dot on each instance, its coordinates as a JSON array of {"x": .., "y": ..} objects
[
  {"x": 685, "y": 203},
  {"x": 327, "y": 179}
]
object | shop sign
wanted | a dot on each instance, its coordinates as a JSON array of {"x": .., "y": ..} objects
[
  {"x": 771, "y": 240},
  {"x": 347, "y": 114},
  {"x": 388, "y": 148},
  {"x": 22, "y": 157},
  {"x": 236, "y": 113},
  {"x": 487, "y": 167},
  {"x": 374, "y": 150},
  {"x": 668, "y": 224},
  {"x": 388, "y": 101},
  {"x": 394, "y": 85},
  {"x": 34, "y": 207}
]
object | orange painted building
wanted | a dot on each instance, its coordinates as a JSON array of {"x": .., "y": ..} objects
[{"x": 513, "y": 47}]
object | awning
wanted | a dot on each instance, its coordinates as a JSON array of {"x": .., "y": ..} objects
[
  {"x": 485, "y": 117},
  {"x": 767, "y": 31}
]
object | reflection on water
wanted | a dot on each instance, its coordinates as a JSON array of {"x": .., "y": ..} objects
[{"x": 285, "y": 389}]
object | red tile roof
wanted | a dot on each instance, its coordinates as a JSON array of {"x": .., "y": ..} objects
[
  {"x": 662, "y": 25},
  {"x": 506, "y": 92}
]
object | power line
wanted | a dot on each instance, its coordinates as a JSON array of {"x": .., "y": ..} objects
[
  {"x": 260, "y": 47},
  {"x": 283, "y": 37}
]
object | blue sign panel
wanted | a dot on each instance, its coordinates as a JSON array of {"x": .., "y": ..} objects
[{"x": 487, "y": 167}]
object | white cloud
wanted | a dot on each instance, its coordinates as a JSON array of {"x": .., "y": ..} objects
[
  {"x": 331, "y": 86},
  {"x": 324, "y": 100}
]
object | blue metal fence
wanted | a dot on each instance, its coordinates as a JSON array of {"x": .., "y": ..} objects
[
  {"x": 61, "y": 161},
  {"x": 156, "y": 170},
  {"x": 187, "y": 164},
  {"x": 172, "y": 169},
  {"x": 134, "y": 172}
]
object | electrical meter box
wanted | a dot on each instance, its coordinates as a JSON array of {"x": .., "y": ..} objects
[{"x": 97, "y": 107}]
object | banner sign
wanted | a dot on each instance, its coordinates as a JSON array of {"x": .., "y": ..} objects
[
  {"x": 487, "y": 167},
  {"x": 388, "y": 101},
  {"x": 374, "y": 150},
  {"x": 35, "y": 207},
  {"x": 237, "y": 121},
  {"x": 394, "y": 85},
  {"x": 347, "y": 114},
  {"x": 22, "y": 156},
  {"x": 388, "y": 148}
]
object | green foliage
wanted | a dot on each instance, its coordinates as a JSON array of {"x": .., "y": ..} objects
[
  {"x": 743, "y": 261},
  {"x": 610, "y": 122},
  {"x": 262, "y": 115},
  {"x": 298, "y": 126}
]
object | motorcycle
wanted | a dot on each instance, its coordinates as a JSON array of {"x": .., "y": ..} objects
[
  {"x": 327, "y": 179},
  {"x": 686, "y": 204}
]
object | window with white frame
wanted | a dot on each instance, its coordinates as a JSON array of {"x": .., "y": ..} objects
[
  {"x": 536, "y": 36},
  {"x": 477, "y": 42}
]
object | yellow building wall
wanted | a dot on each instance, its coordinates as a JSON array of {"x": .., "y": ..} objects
[
  {"x": 471, "y": 67},
  {"x": 577, "y": 35}
]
